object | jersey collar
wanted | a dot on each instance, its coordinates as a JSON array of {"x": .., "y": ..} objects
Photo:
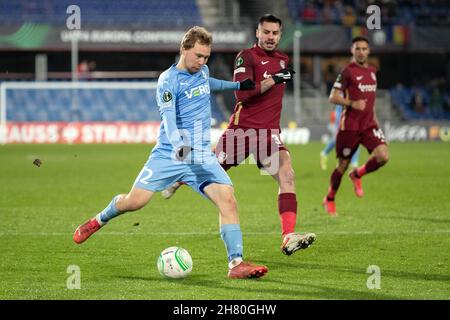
[{"x": 264, "y": 52}]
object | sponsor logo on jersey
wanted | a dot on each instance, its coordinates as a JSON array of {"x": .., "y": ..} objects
[
  {"x": 197, "y": 91},
  {"x": 266, "y": 75},
  {"x": 359, "y": 78},
  {"x": 282, "y": 64},
  {"x": 264, "y": 62},
  {"x": 367, "y": 87}
]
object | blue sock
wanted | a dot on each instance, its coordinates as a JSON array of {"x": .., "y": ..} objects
[
  {"x": 109, "y": 212},
  {"x": 329, "y": 146},
  {"x": 232, "y": 236}
]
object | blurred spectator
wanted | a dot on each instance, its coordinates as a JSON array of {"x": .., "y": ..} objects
[
  {"x": 418, "y": 103},
  {"x": 309, "y": 13},
  {"x": 348, "y": 18},
  {"x": 421, "y": 12},
  {"x": 436, "y": 103},
  {"x": 400, "y": 93},
  {"x": 91, "y": 66},
  {"x": 85, "y": 68},
  {"x": 329, "y": 13}
]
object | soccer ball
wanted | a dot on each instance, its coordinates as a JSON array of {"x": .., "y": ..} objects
[{"x": 174, "y": 262}]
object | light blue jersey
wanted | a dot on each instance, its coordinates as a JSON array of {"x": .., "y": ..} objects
[
  {"x": 184, "y": 104},
  {"x": 186, "y": 98}
]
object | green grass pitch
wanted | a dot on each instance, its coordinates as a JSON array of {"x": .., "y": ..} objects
[{"x": 402, "y": 226}]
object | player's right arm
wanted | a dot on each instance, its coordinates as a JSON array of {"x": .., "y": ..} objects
[
  {"x": 337, "y": 93},
  {"x": 244, "y": 69},
  {"x": 166, "y": 99}
]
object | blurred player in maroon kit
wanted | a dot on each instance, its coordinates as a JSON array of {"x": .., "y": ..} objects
[
  {"x": 254, "y": 126},
  {"x": 358, "y": 123}
]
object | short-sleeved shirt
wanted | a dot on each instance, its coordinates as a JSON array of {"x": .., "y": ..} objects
[{"x": 358, "y": 83}]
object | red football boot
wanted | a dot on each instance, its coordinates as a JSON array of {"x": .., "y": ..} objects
[
  {"x": 330, "y": 207},
  {"x": 357, "y": 185},
  {"x": 83, "y": 232},
  {"x": 247, "y": 270}
]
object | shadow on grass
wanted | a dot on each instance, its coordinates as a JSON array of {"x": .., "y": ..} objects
[
  {"x": 384, "y": 272},
  {"x": 278, "y": 290}
]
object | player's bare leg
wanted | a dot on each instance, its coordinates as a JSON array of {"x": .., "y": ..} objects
[
  {"x": 380, "y": 156},
  {"x": 287, "y": 203},
  {"x": 134, "y": 200},
  {"x": 223, "y": 197},
  {"x": 170, "y": 191},
  {"x": 335, "y": 182}
]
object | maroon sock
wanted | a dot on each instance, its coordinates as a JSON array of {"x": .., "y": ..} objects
[
  {"x": 287, "y": 207},
  {"x": 370, "y": 166},
  {"x": 335, "y": 182}
]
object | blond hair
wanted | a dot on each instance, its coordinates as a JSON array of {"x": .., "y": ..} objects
[{"x": 194, "y": 35}]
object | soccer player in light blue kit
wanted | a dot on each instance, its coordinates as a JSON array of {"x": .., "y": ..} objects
[
  {"x": 183, "y": 151},
  {"x": 330, "y": 145}
]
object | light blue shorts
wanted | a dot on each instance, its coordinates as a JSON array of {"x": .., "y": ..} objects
[{"x": 160, "y": 173}]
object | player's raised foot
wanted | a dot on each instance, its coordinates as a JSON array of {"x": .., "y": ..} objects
[
  {"x": 323, "y": 161},
  {"x": 357, "y": 184},
  {"x": 246, "y": 270},
  {"x": 83, "y": 232},
  {"x": 169, "y": 192},
  {"x": 330, "y": 206},
  {"x": 295, "y": 241}
]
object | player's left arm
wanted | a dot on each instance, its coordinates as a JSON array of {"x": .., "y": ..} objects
[
  {"x": 244, "y": 69},
  {"x": 220, "y": 85}
]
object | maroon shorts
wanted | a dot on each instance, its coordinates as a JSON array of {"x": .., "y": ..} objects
[
  {"x": 236, "y": 144},
  {"x": 348, "y": 141}
]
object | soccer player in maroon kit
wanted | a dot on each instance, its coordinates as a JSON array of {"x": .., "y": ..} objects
[
  {"x": 254, "y": 126},
  {"x": 358, "y": 123}
]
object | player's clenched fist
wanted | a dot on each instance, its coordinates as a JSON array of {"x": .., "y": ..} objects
[{"x": 284, "y": 75}]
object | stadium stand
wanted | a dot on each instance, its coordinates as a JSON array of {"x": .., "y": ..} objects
[
  {"x": 82, "y": 105},
  {"x": 168, "y": 14},
  {"x": 421, "y": 103},
  {"x": 353, "y": 12},
  {"x": 67, "y": 105}
]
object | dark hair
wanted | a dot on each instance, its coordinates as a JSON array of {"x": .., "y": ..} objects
[
  {"x": 360, "y": 38},
  {"x": 270, "y": 18}
]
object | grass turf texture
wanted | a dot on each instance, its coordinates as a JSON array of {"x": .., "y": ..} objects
[{"x": 402, "y": 225}]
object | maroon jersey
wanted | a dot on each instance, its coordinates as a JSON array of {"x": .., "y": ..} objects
[
  {"x": 253, "y": 109},
  {"x": 358, "y": 83}
]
